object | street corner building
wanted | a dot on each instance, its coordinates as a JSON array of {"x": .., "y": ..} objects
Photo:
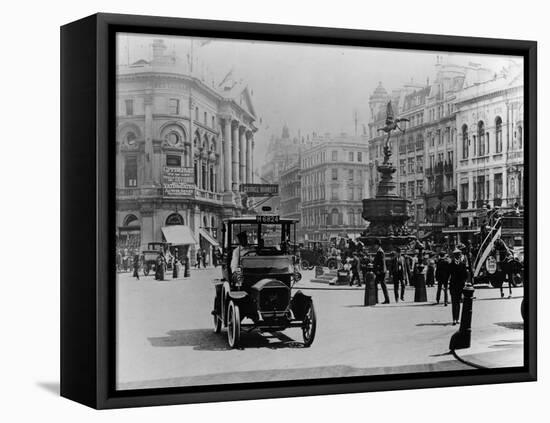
[
  {"x": 461, "y": 150},
  {"x": 184, "y": 145}
]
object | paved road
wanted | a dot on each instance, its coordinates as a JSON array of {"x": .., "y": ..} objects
[{"x": 165, "y": 336}]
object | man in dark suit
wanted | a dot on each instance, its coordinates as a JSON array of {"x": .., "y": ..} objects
[
  {"x": 380, "y": 271},
  {"x": 399, "y": 271},
  {"x": 458, "y": 271},
  {"x": 442, "y": 277}
]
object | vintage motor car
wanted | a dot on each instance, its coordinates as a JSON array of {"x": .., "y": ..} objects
[
  {"x": 315, "y": 255},
  {"x": 255, "y": 291}
]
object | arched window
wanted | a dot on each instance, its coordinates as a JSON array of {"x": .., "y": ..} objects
[
  {"x": 520, "y": 136},
  {"x": 131, "y": 220},
  {"x": 481, "y": 138},
  {"x": 205, "y": 222},
  {"x": 175, "y": 219},
  {"x": 351, "y": 217},
  {"x": 334, "y": 217},
  {"x": 131, "y": 138},
  {"x": 498, "y": 135},
  {"x": 465, "y": 141},
  {"x": 196, "y": 113}
]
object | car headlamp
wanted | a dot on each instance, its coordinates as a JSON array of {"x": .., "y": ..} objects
[{"x": 238, "y": 277}]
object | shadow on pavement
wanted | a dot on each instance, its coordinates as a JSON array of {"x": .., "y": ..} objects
[
  {"x": 435, "y": 324},
  {"x": 511, "y": 325},
  {"x": 207, "y": 340}
]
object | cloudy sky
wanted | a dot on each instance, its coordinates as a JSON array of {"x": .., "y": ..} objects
[{"x": 308, "y": 87}]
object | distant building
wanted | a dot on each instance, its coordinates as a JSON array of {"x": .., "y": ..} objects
[
  {"x": 282, "y": 153},
  {"x": 290, "y": 192},
  {"x": 332, "y": 179}
]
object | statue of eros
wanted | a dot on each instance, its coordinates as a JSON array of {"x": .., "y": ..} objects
[{"x": 391, "y": 125}]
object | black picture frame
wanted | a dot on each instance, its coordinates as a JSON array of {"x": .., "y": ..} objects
[{"x": 88, "y": 203}]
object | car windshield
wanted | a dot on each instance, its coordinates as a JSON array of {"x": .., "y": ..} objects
[{"x": 269, "y": 235}]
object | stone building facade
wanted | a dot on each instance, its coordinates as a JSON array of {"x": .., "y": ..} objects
[
  {"x": 290, "y": 192},
  {"x": 332, "y": 174},
  {"x": 183, "y": 147},
  {"x": 490, "y": 145}
]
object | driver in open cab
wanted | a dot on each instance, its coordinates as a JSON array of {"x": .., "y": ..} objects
[{"x": 239, "y": 250}]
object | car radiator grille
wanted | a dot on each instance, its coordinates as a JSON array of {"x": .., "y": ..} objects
[{"x": 274, "y": 299}]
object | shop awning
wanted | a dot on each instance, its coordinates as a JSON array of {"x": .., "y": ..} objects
[
  {"x": 178, "y": 235},
  {"x": 208, "y": 237}
]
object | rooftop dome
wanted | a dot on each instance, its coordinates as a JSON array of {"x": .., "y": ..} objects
[{"x": 379, "y": 94}]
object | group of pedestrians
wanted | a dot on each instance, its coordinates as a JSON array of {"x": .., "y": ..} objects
[{"x": 449, "y": 272}]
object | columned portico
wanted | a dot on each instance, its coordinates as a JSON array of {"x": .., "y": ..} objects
[
  {"x": 235, "y": 155},
  {"x": 242, "y": 154},
  {"x": 227, "y": 161},
  {"x": 249, "y": 157}
]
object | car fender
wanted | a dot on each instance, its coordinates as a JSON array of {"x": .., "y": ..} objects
[{"x": 299, "y": 304}]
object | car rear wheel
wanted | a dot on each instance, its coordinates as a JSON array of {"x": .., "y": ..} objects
[
  {"x": 309, "y": 326},
  {"x": 233, "y": 325},
  {"x": 304, "y": 264},
  {"x": 332, "y": 264}
]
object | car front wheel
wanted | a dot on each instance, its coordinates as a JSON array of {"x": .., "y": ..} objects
[
  {"x": 304, "y": 264},
  {"x": 309, "y": 326},
  {"x": 233, "y": 325}
]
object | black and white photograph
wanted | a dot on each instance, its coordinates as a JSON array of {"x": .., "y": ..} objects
[{"x": 291, "y": 211}]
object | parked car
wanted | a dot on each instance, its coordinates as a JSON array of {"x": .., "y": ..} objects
[{"x": 258, "y": 294}]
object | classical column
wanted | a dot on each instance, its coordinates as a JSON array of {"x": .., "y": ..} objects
[
  {"x": 505, "y": 201},
  {"x": 249, "y": 158},
  {"x": 226, "y": 130},
  {"x": 148, "y": 102},
  {"x": 191, "y": 134},
  {"x": 470, "y": 189},
  {"x": 242, "y": 154},
  {"x": 218, "y": 164},
  {"x": 252, "y": 160},
  {"x": 235, "y": 155}
]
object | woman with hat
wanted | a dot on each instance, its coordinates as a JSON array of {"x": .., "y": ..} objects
[{"x": 458, "y": 272}]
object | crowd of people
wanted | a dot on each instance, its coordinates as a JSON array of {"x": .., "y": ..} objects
[{"x": 450, "y": 269}]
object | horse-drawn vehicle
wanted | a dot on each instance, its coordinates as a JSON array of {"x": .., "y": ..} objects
[
  {"x": 151, "y": 255},
  {"x": 258, "y": 273},
  {"x": 495, "y": 262}
]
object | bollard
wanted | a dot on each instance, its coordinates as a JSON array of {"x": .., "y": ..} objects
[
  {"x": 420, "y": 294},
  {"x": 370, "y": 289},
  {"x": 462, "y": 337},
  {"x": 175, "y": 269},
  {"x": 186, "y": 272}
]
